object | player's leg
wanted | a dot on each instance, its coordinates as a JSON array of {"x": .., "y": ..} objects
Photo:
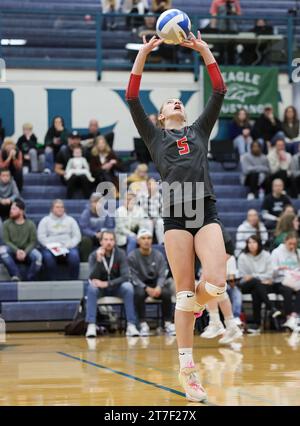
[{"x": 179, "y": 247}]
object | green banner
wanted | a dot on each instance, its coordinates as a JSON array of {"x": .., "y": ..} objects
[{"x": 251, "y": 88}]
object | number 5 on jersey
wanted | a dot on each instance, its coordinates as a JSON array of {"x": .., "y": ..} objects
[{"x": 183, "y": 146}]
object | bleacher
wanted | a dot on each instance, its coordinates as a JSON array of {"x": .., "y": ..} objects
[{"x": 63, "y": 33}]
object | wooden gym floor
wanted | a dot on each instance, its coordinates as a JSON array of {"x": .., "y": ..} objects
[{"x": 51, "y": 369}]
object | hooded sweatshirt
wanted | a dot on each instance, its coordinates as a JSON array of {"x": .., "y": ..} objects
[
  {"x": 281, "y": 256},
  {"x": 259, "y": 266},
  {"x": 244, "y": 231},
  {"x": 63, "y": 230}
]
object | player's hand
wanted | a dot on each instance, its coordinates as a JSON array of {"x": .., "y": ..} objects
[
  {"x": 195, "y": 43},
  {"x": 148, "y": 46}
]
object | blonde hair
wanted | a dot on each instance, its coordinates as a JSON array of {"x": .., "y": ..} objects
[
  {"x": 161, "y": 122},
  {"x": 27, "y": 126},
  {"x": 6, "y": 143},
  {"x": 285, "y": 223},
  {"x": 95, "y": 150}
]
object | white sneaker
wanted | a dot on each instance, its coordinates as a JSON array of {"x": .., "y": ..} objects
[
  {"x": 91, "y": 331},
  {"x": 250, "y": 196},
  {"x": 190, "y": 381},
  {"x": 144, "y": 329},
  {"x": 132, "y": 331},
  {"x": 213, "y": 330},
  {"x": 231, "y": 334},
  {"x": 238, "y": 321},
  {"x": 170, "y": 328},
  {"x": 291, "y": 322}
]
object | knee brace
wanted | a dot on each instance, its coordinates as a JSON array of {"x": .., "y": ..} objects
[
  {"x": 185, "y": 301},
  {"x": 214, "y": 290}
]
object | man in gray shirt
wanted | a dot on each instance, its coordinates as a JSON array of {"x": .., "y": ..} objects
[{"x": 148, "y": 271}]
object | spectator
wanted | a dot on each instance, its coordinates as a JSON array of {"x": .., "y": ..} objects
[
  {"x": 233, "y": 291},
  {"x": 255, "y": 170},
  {"x": 88, "y": 139},
  {"x": 2, "y": 132},
  {"x": 290, "y": 125},
  {"x": 137, "y": 7},
  {"x": 151, "y": 203},
  {"x": 148, "y": 29},
  {"x": 78, "y": 174},
  {"x": 242, "y": 143},
  {"x": 110, "y": 277},
  {"x": 19, "y": 237},
  {"x": 274, "y": 204},
  {"x": 92, "y": 221},
  {"x": 280, "y": 162},
  {"x": 8, "y": 192},
  {"x": 295, "y": 175},
  {"x": 148, "y": 269},
  {"x": 267, "y": 127},
  {"x": 129, "y": 219},
  {"x": 56, "y": 137},
  {"x": 287, "y": 223},
  {"x": 239, "y": 122},
  {"x": 251, "y": 226},
  {"x": 33, "y": 155},
  {"x": 255, "y": 267},
  {"x": 160, "y": 6},
  {"x": 59, "y": 234},
  {"x": 286, "y": 258},
  {"x": 137, "y": 181},
  {"x": 104, "y": 162},
  {"x": 110, "y": 7},
  {"x": 11, "y": 159}
]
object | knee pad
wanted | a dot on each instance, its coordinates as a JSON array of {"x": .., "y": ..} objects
[
  {"x": 223, "y": 297},
  {"x": 185, "y": 301},
  {"x": 214, "y": 290}
]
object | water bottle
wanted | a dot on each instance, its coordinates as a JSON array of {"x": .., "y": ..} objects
[{"x": 2, "y": 331}]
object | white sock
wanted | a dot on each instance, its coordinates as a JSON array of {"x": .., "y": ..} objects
[
  {"x": 186, "y": 358},
  {"x": 214, "y": 317},
  {"x": 229, "y": 322}
]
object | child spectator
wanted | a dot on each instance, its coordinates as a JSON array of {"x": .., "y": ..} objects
[
  {"x": 77, "y": 174},
  {"x": 33, "y": 155},
  {"x": 137, "y": 181},
  {"x": 19, "y": 237},
  {"x": 8, "y": 192}
]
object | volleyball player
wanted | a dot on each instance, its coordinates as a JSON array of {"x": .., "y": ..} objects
[{"x": 180, "y": 152}]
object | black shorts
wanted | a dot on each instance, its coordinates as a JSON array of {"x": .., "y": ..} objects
[{"x": 210, "y": 216}]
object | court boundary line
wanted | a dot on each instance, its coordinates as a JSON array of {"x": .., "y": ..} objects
[{"x": 127, "y": 376}]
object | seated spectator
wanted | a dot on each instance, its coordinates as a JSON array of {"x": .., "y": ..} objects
[
  {"x": 110, "y": 7},
  {"x": 148, "y": 270},
  {"x": 255, "y": 267},
  {"x": 280, "y": 162},
  {"x": 8, "y": 192},
  {"x": 129, "y": 219},
  {"x": 33, "y": 155},
  {"x": 295, "y": 175},
  {"x": 59, "y": 236},
  {"x": 151, "y": 203},
  {"x": 242, "y": 143},
  {"x": 255, "y": 170},
  {"x": 291, "y": 128},
  {"x": 251, "y": 226},
  {"x": 274, "y": 204},
  {"x": 286, "y": 258},
  {"x": 78, "y": 174},
  {"x": 287, "y": 223},
  {"x": 19, "y": 237},
  {"x": 92, "y": 221},
  {"x": 104, "y": 162},
  {"x": 88, "y": 139},
  {"x": 2, "y": 132},
  {"x": 110, "y": 277},
  {"x": 140, "y": 7},
  {"x": 239, "y": 122},
  {"x": 56, "y": 137},
  {"x": 160, "y": 6},
  {"x": 11, "y": 158},
  {"x": 137, "y": 181},
  {"x": 267, "y": 127}
]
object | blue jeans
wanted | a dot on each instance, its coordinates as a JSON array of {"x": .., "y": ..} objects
[
  {"x": 33, "y": 259},
  {"x": 49, "y": 158},
  {"x": 125, "y": 291},
  {"x": 50, "y": 264},
  {"x": 235, "y": 297},
  {"x": 131, "y": 244}
]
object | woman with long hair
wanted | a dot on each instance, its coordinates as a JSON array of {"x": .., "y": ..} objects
[
  {"x": 286, "y": 224},
  {"x": 191, "y": 222},
  {"x": 11, "y": 158}
]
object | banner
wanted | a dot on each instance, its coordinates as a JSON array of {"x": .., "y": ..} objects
[{"x": 251, "y": 88}]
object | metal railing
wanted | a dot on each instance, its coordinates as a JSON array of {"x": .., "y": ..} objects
[{"x": 61, "y": 20}]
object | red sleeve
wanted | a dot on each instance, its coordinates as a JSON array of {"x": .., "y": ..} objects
[
  {"x": 133, "y": 87},
  {"x": 216, "y": 78}
]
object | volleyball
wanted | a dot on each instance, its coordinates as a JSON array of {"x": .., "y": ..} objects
[{"x": 173, "y": 26}]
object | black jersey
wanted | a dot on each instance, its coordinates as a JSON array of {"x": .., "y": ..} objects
[{"x": 181, "y": 155}]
